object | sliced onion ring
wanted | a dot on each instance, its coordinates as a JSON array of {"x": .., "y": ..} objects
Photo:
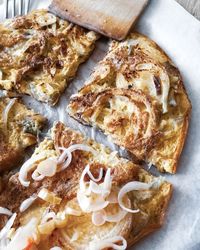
[
  {"x": 7, "y": 110},
  {"x": 89, "y": 205},
  {"x": 67, "y": 153},
  {"x": 98, "y": 218},
  {"x": 8, "y": 226},
  {"x": 47, "y": 167},
  {"x": 26, "y": 167},
  {"x": 87, "y": 171},
  {"x": 108, "y": 243},
  {"x": 131, "y": 186},
  {"x": 27, "y": 203},
  {"x": 5, "y": 211},
  {"x": 61, "y": 159},
  {"x": 81, "y": 147},
  {"x": 36, "y": 176}
]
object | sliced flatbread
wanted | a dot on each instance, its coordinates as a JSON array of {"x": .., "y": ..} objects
[
  {"x": 136, "y": 97},
  {"x": 19, "y": 127},
  {"x": 53, "y": 219},
  {"x": 40, "y": 53}
]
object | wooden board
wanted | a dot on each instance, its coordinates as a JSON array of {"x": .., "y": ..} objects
[{"x": 113, "y": 18}]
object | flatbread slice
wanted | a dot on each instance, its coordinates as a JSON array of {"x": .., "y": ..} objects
[
  {"x": 40, "y": 53},
  {"x": 19, "y": 127},
  {"x": 136, "y": 97},
  {"x": 49, "y": 211}
]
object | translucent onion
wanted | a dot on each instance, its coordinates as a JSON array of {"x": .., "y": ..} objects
[
  {"x": 87, "y": 171},
  {"x": 48, "y": 196},
  {"x": 47, "y": 167},
  {"x": 5, "y": 211},
  {"x": 36, "y": 176},
  {"x": 24, "y": 235},
  {"x": 67, "y": 153},
  {"x": 131, "y": 186},
  {"x": 26, "y": 167},
  {"x": 109, "y": 243},
  {"x": 89, "y": 204},
  {"x": 74, "y": 236},
  {"x": 7, "y": 110},
  {"x": 98, "y": 218},
  {"x": 27, "y": 203},
  {"x": 116, "y": 217},
  {"x": 61, "y": 159},
  {"x": 8, "y": 226}
]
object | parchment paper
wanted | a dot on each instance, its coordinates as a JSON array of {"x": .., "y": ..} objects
[{"x": 178, "y": 33}]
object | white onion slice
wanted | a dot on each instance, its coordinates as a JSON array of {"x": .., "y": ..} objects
[
  {"x": 36, "y": 176},
  {"x": 26, "y": 167},
  {"x": 56, "y": 248},
  {"x": 108, "y": 243},
  {"x": 131, "y": 186},
  {"x": 104, "y": 188},
  {"x": 67, "y": 153},
  {"x": 23, "y": 236},
  {"x": 87, "y": 204},
  {"x": 61, "y": 159},
  {"x": 107, "y": 184},
  {"x": 7, "y": 110},
  {"x": 47, "y": 167},
  {"x": 8, "y": 226},
  {"x": 98, "y": 218},
  {"x": 5, "y": 211},
  {"x": 27, "y": 203},
  {"x": 71, "y": 211},
  {"x": 87, "y": 171}
]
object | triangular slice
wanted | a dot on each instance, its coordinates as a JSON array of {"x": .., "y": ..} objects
[
  {"x": 136, "y": 96},
  {"x": 72, "y": 192},
  {"x": 40, "y": 53},
  {"x": 19, "y": 128}
]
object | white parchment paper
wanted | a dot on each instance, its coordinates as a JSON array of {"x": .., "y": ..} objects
[{"x": 178, "y": 33}]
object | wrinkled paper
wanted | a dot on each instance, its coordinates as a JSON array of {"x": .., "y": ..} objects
[{"x": 178, "y": 33}]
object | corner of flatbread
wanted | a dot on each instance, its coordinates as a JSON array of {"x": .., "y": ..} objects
[{"x": 72, "y": 186}]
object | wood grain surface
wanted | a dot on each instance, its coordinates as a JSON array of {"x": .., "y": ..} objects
[
  {"x": 192, "y": 6},
  {"x": 113, "y": 18}
]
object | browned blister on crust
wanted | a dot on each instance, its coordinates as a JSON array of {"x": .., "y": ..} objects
[
  {"x": 152, "y": 202},
  {"x": 40, "y": 53},
  {"x": 138, "y": 65},
  {"x": 19, "y": 127}
]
